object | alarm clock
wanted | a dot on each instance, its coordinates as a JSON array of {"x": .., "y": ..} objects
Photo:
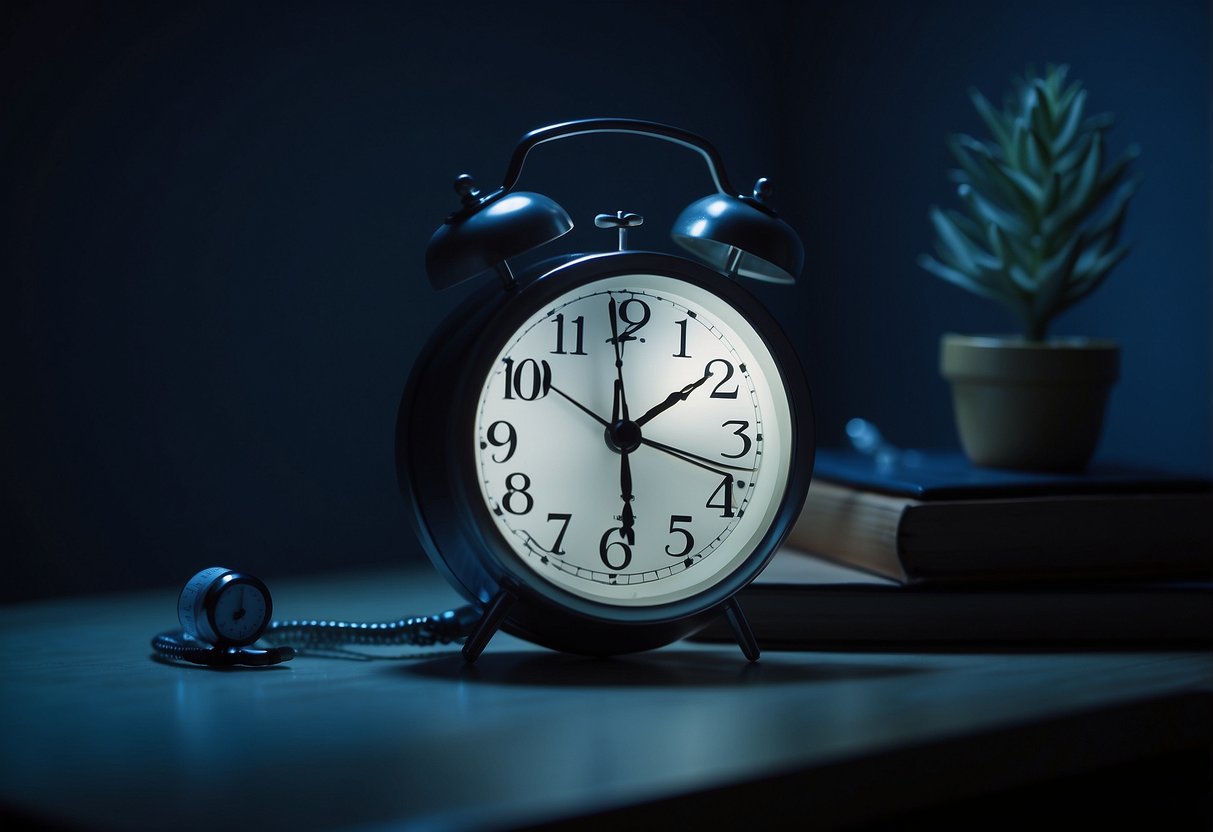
[{"x": 601, "y": 450}]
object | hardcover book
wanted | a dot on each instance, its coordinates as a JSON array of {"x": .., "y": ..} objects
[
  {"x": 936, "y": 518},
  {"x": 807, "y": 603}
]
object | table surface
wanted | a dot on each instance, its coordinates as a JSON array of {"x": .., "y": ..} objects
[{"x": 408, "y": 739}]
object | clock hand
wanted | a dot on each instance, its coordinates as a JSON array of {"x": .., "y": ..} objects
[
  {"x": 619, "y": 411},
  {"x": 238, "y": 614},
  {"x": 614, "y": 312},
  {"x": 687, "y": 456},
  {"x": 619, "y": 417},
  {"x": 720, "y": 468},
  {"x": 672, "y": 399},
  {"x": 619, "y": 404},
  {"x": 627, "y": 518},
  {"x": 580, "y": 406}
]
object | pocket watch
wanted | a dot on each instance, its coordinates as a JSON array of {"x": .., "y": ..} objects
[
  {"x": 600, "y": 451},
  {"x": 222, "y": 613}
]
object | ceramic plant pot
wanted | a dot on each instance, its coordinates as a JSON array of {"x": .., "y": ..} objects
[{"x": 1034, "y": 405}]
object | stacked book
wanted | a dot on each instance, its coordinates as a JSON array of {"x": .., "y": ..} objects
[{"x": 929, "y": 551}]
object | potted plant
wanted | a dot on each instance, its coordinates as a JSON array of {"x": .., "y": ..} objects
[{"x": 1039, "y": 231}]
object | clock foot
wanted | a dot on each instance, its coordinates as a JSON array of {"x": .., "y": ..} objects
[
  {"x": 741, "y": 629},
  {"x": 494, "y": 614}
]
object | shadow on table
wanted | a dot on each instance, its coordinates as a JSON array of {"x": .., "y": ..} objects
[{"x": 661, "y": 668}]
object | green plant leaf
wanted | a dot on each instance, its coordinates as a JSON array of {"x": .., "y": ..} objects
[
  {"x": 1102, "y": 265},
  {"x": 999, "y": 245},
  {"x": 966, "y": 225},
  {"x": 1099, "y": 124},
  {"x": 1104, "y": 230},
  {"x": 951, "y": 275},
  {"x": 1113, "y": 174},
  {"x": 1065, "y": 95},
  {"x": 1009, "y": 253},
  {"x": 1070, "y": 160},
  {"x": 957, "y": 249},
  {"x": 1040, "y": 128},
  {"x": 990, "y": 175},
  {"x": 1045, "y": 114},
  {"x": 1025, "y": 186},
  {"x": 958, "y": 177},
  {"x": 1052, "y": 195},
  {"x": 985, "y": 211},
  {"x": 1069, "y": 128},
  {"x": 1082, "y": 203},
  {"x": 978, "y": 164},
  {"x": 1040, "y": 158},
  {"x": 992, "y": 118},
  {"x": 1020, "y": 277},
  {"x": 992, "y": 291},
  {"x": 1020, "y": 139},
  {"x": 1092, "y": 276},
  {"x": 1053, "y": 278},
  {"x": 1079, "y": 192},
  {"x": 1020, "y": 248}
]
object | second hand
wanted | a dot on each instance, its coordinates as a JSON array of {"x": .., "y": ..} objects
[{"x": 720, "y": 468}]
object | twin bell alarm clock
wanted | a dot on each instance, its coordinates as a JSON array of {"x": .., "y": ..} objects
[{"x": 600, "y": 451}]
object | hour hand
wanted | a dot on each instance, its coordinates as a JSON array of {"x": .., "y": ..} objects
[
  {"x": 619, "y": 406},
  {"x": 626, "y": 517},
  {"x": 672, "y": 399}
]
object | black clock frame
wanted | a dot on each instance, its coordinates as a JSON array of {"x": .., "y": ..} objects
[{"x": 436, "y": 469}]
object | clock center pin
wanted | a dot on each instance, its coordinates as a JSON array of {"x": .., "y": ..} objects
[{"x": 623, "y": 437}]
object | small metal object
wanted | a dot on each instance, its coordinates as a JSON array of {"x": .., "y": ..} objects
[
  {"x": 762, "y": 189},
  {"x": 867, "y": 439},
  {"x": 621, "y": 220},
  {"x": 224, "y": 607},
  {"x": 222, "y": 612}
]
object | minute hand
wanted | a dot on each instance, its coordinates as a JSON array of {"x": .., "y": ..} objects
[{"x": 671, "y": 400}]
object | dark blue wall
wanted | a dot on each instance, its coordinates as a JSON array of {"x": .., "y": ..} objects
[
  {"x": 877, "y": 87},
  {"x": 214, "y": 217}
]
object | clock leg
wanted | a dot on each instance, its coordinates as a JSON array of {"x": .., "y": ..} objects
[
  {"x": 741, "y": 629},
  {"x": 494, "y": 614}
]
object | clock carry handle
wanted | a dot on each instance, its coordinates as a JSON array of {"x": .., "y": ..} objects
[
  {"x": 733, "y": 233},
  {"x": 630, "y": 126}
]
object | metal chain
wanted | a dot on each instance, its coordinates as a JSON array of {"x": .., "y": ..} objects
[{"x": 443, "y": 628}]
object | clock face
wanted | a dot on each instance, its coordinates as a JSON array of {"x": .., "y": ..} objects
[
  {"x": 633, "y": 440},
  {"x": 240, "y": 613}
]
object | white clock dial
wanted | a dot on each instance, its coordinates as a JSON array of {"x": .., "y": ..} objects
[
  {"x": 632, "y": 440},
  {"x": 239, "y": 613}
]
